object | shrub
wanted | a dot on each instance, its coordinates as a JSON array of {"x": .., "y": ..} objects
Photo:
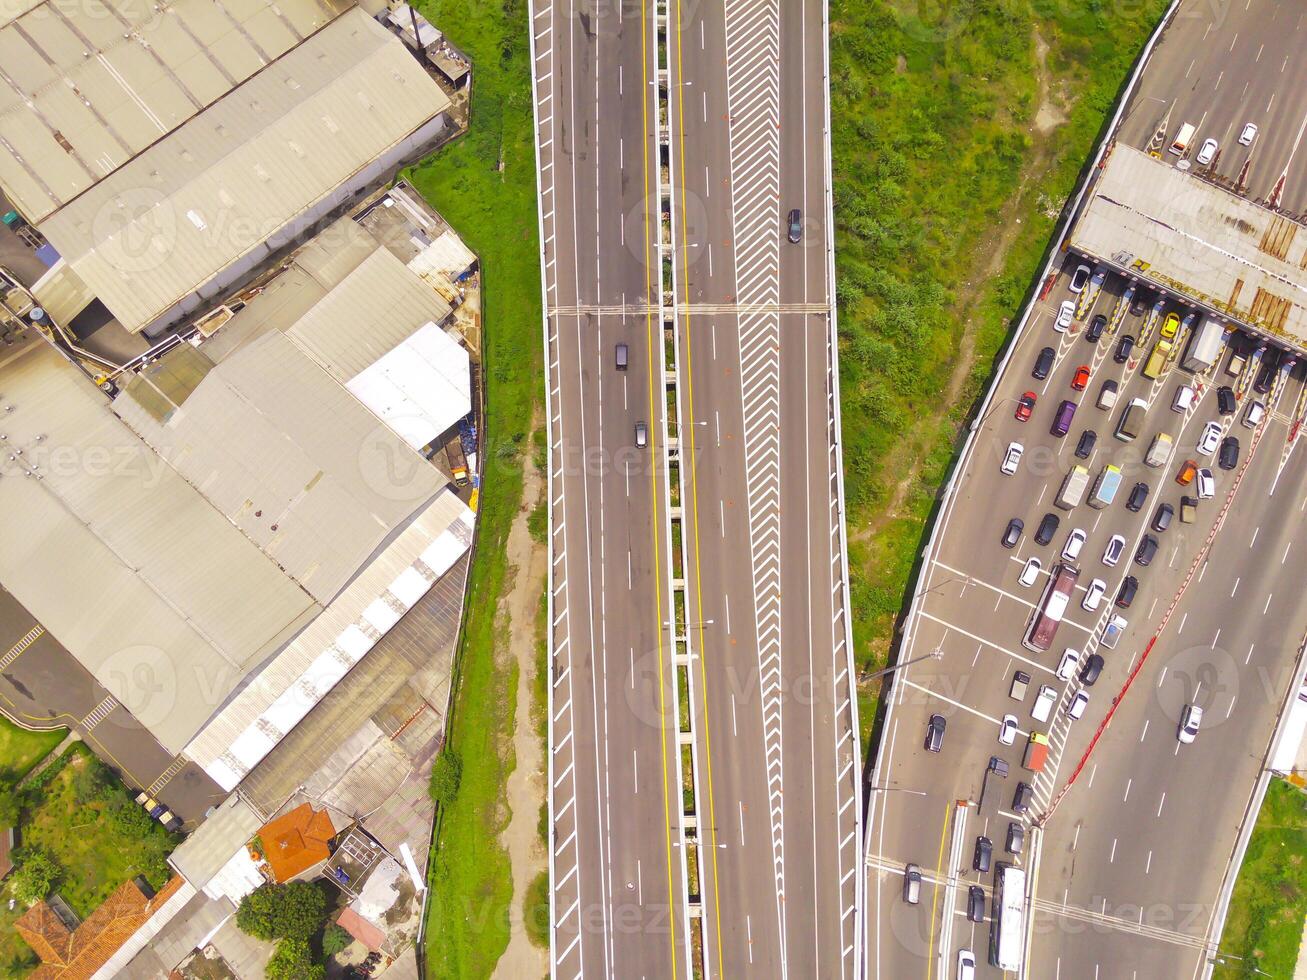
[
  {"x": 10, "y": 803},
  {"x": 38, "y": 872},
  {"x": 334, "y": 940},
  {"x": 446, "y": 775},
  {"x": 294, "y": 911},
  {"x": 93, "y": 781},
  {"x": 293, "y": 960}
]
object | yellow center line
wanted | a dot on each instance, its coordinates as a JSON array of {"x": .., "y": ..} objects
[
  {"x": 934, "y": 898},
  {"x": 694, "y": 507},
  {"x": 653, "y": 481}
]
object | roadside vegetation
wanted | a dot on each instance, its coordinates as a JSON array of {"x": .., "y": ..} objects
[
  {"x": 20, "y": 749},
  {"x": 1269, "y": 905},
  {"x": 485, "y": 185},
  {"x": 956, "y": 142}
]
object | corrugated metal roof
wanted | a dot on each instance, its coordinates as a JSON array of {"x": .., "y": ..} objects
[
  {"x": 203, "y": 854},
  {"x": 256, "y": 719},
  {"x": 91, "y": 84},
  {"x": 124, "y": 562},
  {"x": 217, "y": 187},
  {"x": 1195, "y": 239},
  {"x": 292, "y": 460}
]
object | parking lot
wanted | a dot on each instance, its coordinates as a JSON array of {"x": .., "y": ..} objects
[{"x": 1113, "y": 848}]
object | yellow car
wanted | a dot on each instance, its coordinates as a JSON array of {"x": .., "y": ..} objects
[{"x": 1171, "y": 324}]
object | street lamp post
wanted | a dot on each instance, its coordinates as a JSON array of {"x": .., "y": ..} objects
[{"x": 933, "y": 655}]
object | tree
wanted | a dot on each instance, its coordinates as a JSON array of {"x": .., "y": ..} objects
[
  {"x": 335, "y": 940},
  {"x": 10, "y": 802},
  {"x": 92, "y": 781},
  {"x": 293, "y": 960},
  {"x": 294, "y": 911},
  {"x": 446, "y": 775},
  {"x": 37, "y": 874}
]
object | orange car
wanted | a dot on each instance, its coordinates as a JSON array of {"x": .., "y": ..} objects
[
  {"x": 1081, "y": 380},
  {"x": 1187, "y": 473}
]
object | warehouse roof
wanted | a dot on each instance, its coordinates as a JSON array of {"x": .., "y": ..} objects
[
  {"x": 124, "y": 561},
  {"x": 216, "y": 188},
  {"x": 1199, "y": 241},
  {"x": 90, "y": 85},
  {"x": 224, "y": 832}
]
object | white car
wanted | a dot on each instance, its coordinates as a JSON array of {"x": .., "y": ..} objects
[
  {"x": 1184, "y": 398},
  {"x": 1112, "y": 553},
  {"x": 1210, "y": 439},
  {"x": 1253, "y": 414},
  {"x": 1078, "y": 705},
  {"x": 1190, "y": 719},
  {"x": 1031, "y": 572},
  {"x": 1065, "y": 314},
  {"x": 1074, "y": 542},
  {"x": 1079, "y": 278},
  {"x": 966, "y": 965},
  {"x": 1093, "y": 595},
  {"x": 1248, "y": 135},
  {"x": 1007, "y": 730},
  {"x": 1012, "y": 459},
  {"x": 1206, "y": 485},
  {"x": 1208, "y": 152},
  {"x": 1067, "y": 665},
  {"x": 1044, "y": 702}
]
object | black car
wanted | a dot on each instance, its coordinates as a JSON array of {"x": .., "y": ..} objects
[
  {"x": 1022, "y": 798},
  {"x": 1138, "y": 494},
  {"x": 1270, "y": 363},
  {"x": 796, "y": 225},
  {"x": 1162, "y": 517},
  {"x": 1146, "y": 551},
  {"x": 1090, "y": 671},
  {"x": 1225, "y": 400},
  {"x": 1047, "y": 528},
  {"x": 1126, "y": 594},
  {"x": 1138, "y": 304},
  {"x": 1124, "y": 347},
  {"x": 1044, "y": 363},
  {"x": 935, "y": 733},
  {"x": 976, "y": 903},
  {"x": 1013, "y": 532},
  {"x": 984, "y": 853},
  {"x": 1016, "y": 837},
  {"x": 1096, "y": 327},
  {"x": 1086, "y": 444},
  {"x": 1229, "y": 455}
]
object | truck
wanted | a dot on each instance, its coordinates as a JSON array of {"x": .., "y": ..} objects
[
  {"x": 1157, "y": 359},
  {"x": 457, "y": 460},
  {"x": 1204, "y": 346},
  {"x": 1132, "y": 420},
  {"x": 1159, "y": 453},
  {"x": 1104, "y": 490},
  {"x": 1073, "y": 488},
  {"x": 1036, "y": 752},
  {"x": 991, "y": 789},
  {"x": 1182, "y": 139}
]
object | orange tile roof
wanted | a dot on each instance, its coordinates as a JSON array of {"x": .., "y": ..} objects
[
  {"x": 296, "y": 841},
  {"x": 77, "y": 955}
]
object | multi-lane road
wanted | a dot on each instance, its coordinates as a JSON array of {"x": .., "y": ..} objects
[
  {"x": 1219, "y": 67},
  {"x": 775, "y": 733},
  {"x": 704, "y": 761}
]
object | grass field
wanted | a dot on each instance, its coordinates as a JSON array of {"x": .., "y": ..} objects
[
  {"x": 1269, "y": 904},
  {"x": 956, "y": 142},
  {"x": 485, "y": 185},
  {"x": 20, "y": 749}
]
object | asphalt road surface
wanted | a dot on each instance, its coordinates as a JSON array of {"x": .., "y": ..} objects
[
  {"x": 1218, "y": 67},
  {"x": 775, "y": 733},
  {"x": 1132, "y": 857},
  {"x": 618, "y": 865}
]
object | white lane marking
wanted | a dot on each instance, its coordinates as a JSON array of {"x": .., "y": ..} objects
[
  {"x": 1145, "y": 731},
  {"x": 1159, "y": 804}
]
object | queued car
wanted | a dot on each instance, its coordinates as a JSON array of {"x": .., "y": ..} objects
[
  {"x": 1124, "y": 348},
  {"x": 1207, "y": 152},
  {"x": 1248, "y": 134},
  {"x": 1206, "y": 484},
  {"x": 1208, "y": 440},
  {"x": 1228, "y": 458},
  {"x": 1043, "y": 363},
  {"x": 1012, "y": 458},
  {"x": 1081, "y": 379},
  {"x": 1162, "y": 517},
  {"x": 1138, "y": 494},
  {"x": 1065, "y": 314},
  {"x": 1025, "y": 406},
  {"x": 1225, "y": 402},
  {"x": 1080, "y": 278},
  {"x": 1096, "y": 327},
  {"x": 1170, "y": 325}
]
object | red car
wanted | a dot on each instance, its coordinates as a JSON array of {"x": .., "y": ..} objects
[
  {"x": 1025, "y": 406},
  {"x": 1081, "y": 380}
]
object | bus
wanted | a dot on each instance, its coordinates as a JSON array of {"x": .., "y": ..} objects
[
  {"x": 1048, "y": 614},
  {"x": 1007, "y": 934}
]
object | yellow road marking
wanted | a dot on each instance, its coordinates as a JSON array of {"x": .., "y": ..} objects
[
  {"x": 694, "y": 506},
  {"x": 934, "y": 898},
  {"x": 653, "y": 482}
]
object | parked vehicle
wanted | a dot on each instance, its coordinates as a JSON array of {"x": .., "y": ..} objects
[
  {"x": 1074, "y": 542},
  {"x": 983, "y": 855},
  {"x": 1091, "y": 670},
  {"x": 1079, "y": 702},
  {"x": 1113, "y": 632},
  {"x": 1012, "y": 534},
  {"x": 1022, "y": 798},
  {"x": 1016, "y": 837},
  {"x": 1030, "y": 572},
  {"x": 1020, "y": 683},
  {"x": 1036, "y": 752},
  {"x": 975, "y": 913},
  {"x": 1066, "y": 667},
  {"x": 1047, "y": 528},
  {"x": 1126, "y": 593},
  {"x": 1044, "y": 701},
  {"x": 1093, "y": 595},
  {"x": 1112, "y": 553}
]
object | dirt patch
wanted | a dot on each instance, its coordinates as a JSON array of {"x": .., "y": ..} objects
[
  {"x": 991, "y": 256},
  {"x": 527, "y": 563}
]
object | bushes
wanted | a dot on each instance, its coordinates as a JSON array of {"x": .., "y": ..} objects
[
  {"x": 293, "y": 911},
  {"x": 293, "y": 960},
  {"x": 446, "y": 775},
  {"x": 37, "y": 874},
  {"x": 334, "y": 940}
]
